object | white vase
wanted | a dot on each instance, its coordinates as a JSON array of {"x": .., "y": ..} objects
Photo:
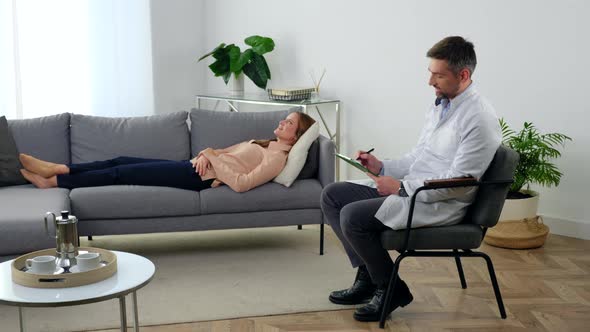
[
  {"x": 236, "y": 85},
  {"x": 518, "y": 209}
]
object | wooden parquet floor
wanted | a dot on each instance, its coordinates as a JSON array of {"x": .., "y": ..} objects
[{"x": 545, "y": 289}]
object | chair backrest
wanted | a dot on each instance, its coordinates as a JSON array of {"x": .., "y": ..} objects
[{"x": 487, "y": 206}]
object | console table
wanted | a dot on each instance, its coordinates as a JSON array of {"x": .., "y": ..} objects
[{"x": 260, "y": 99}]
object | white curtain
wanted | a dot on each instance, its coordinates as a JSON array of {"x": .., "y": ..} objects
[{"x": 80, "y": 56}]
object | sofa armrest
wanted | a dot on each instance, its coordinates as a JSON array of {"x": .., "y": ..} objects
[{"x": 326, "y": 161}]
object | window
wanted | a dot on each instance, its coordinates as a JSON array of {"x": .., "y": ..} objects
[{"x": 79, "y": 56}]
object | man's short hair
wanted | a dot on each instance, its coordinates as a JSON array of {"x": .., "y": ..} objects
[{"x": 458, "y": 52}]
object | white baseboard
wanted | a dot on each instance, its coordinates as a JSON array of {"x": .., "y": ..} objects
[{"x": 574, "y": 228}]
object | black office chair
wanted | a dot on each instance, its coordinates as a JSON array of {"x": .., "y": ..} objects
[{"x": 456, "y": 240}]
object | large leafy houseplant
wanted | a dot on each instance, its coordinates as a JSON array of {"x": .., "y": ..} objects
[
  {"x": 536, "y": 151},
  {"x": 229, "y": 59}
]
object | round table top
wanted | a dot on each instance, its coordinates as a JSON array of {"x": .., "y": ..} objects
[{"x": 133, "y": 272}]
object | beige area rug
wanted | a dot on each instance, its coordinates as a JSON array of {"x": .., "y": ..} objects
[{"x": 211, "y": 275}]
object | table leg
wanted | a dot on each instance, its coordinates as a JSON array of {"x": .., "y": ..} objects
[
  {"x": 135, "y": 315},
  {"x": 337, "y": 140},
  {"x": 20, "y": 319},
  {"x": 123, "y": 312},
  {"x": 232, "y": 107}
]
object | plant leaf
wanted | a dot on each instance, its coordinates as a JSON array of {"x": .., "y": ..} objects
[
  {"x": 257, "y": 70},
  {"x": 535, "y": 151},
  {"x": 260, "y": 45},
  {"x": 234, "y": 57},
  {"x": 222, "y": 52},
  {"x": 214, "y": 50},
  {"x": 242, "y": 60},
  {"x": 222, "y": 64},
  {"x": 265, "y": 65},
  {"x": 226, "y": 77},
  {"x": 507, "y": 133},
  {"x": 220, "y": 67}
]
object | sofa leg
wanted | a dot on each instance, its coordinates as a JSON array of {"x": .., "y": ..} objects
[
  {"x": 299, "y": 227},
  {"x": 322, "y": 239},
  {"x": 89, "y": 237}
]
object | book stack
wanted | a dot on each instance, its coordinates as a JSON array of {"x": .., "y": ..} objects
[{"x": 290, "y": 94}]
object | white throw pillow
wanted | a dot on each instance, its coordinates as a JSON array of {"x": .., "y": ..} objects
[{"x": 297, "y": 156}]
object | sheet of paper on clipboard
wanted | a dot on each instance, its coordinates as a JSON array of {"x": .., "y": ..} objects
[{"x": 355, "y": 163}]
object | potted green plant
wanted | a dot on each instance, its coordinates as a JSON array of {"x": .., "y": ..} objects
[
  {"x": 536, "y": 151},
  {"x": 229, "y": 59}
]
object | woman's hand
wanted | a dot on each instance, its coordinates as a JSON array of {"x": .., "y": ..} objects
[
  {"x": 201, "y": 164},
  {"x": 194, "y": 161}
]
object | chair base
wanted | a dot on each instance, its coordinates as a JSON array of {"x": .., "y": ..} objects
[
  {"x": 457, "y": 254},
  {"x": 322, "y": 238}
]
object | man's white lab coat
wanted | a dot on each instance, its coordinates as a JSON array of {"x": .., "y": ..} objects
[{"x": 462, "y": 143}]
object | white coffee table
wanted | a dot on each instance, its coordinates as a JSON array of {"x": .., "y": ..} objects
[{"x": 133, "y": 272}]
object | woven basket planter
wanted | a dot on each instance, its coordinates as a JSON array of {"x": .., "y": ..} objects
[
  {"x": 518, "y": 234},
  {"x": 519, "y": 226}
]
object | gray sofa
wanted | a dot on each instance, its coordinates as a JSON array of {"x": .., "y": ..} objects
[{"x": 111, "y": 210}]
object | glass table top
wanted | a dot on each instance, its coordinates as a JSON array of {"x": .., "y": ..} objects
[{"x": 263, "y": 98}]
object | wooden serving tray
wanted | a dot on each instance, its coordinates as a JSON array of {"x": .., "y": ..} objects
[{"x": 63, "y": 280}]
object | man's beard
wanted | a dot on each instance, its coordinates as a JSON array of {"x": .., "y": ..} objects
[{"x": 441, "y": 95}]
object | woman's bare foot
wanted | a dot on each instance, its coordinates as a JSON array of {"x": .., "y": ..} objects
[
  {"x": 38, "y": 180},
  {"x": 41, "y": 167}
]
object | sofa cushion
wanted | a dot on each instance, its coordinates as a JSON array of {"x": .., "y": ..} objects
[
  {"x": 162, "y": 136},
  {"x": 119, "y": 202},
  {"x": 21, "y": 220},
  {"x": 9, "y": 163},
  {"x": 216, "y": 129},
  {"x": 304, "y": 194},
  {"x": 46, "y": 138},
  {"x": 298, "y": 156},
  {"x": 311, "y": 166}
]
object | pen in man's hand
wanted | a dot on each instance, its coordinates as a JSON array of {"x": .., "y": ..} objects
[{"x": 370, "y": 150}]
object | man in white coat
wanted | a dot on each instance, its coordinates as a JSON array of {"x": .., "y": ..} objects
[{"x": 459, "y": 139}]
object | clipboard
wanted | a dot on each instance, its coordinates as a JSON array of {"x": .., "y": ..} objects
[{"x": 354, "y": 163}]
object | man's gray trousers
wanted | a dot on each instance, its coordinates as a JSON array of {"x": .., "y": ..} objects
[{"x": 350, "y": 210}]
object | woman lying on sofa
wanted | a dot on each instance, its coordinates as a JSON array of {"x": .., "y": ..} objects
[{"x": 242, "y": 166}]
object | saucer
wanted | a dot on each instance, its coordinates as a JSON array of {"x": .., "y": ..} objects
[
  {"x": 76, "y": 268},
  {"x": 57, "y": 271}
]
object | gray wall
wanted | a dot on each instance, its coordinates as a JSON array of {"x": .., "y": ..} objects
[{"x": 178, "y": 32}]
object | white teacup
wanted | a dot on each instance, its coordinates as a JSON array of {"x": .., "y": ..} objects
[
  {"x": 88, "y": 261},
  {"x": 41, "y": 264}
]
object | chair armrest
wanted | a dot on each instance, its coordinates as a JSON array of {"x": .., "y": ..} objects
[
  {"x": 326, "y": 161},
  {"x": 457, "y": 182},
  {"x": 449, "y": 183}
]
